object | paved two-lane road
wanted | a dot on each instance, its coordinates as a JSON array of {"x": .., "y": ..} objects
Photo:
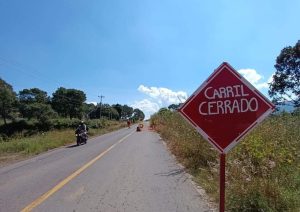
[{"x": 120, "y": 171}]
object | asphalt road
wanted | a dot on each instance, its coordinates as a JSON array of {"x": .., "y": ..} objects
[{"x": 120, "y": 171}]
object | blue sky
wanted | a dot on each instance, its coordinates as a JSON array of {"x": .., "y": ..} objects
[{"x": 146, "y": 54}]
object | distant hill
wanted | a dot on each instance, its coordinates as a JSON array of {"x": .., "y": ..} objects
[{"x": 287, "y": 107}]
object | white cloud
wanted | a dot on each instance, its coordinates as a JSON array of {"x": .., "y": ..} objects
[
  {"x": 164, "y": 96},
  {"x": 94, "y": 103},
  {"x": 270, "y": 78},
  {"x": 158, "y": 97},
  {"x": 251, "y": 75},
  {"x": 254, "y": 78},
  {"x": 147, "y": 106},
  {"x": 261, "y": 85}
]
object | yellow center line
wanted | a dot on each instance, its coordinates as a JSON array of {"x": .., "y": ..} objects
[{"x": 46, "y": 195}]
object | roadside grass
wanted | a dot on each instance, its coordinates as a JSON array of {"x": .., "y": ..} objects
[
  {"x": 38, "y": 143},
  {"x": 41, "y": 142},
  {"x": 24, "y": 128},
  {"x": 262, "y": 172}
]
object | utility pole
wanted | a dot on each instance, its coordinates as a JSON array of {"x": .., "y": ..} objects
[{"x": 100, "y": 105}]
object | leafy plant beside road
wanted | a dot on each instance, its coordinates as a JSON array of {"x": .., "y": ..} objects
[{"x": 263, "y": 171}]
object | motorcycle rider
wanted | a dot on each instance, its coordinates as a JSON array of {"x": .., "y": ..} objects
[
  {"x": 82, "y": 129},
  {"x": 128, "y": 123}
]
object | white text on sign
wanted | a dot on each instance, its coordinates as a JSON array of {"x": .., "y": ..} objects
[{"x": 219, "y": 106}]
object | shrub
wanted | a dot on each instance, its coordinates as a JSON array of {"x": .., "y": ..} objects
[
  {"x": 65, "y": 123},
  {"x": 15, "y": 127},
  {"x": 263, "y": 171}
]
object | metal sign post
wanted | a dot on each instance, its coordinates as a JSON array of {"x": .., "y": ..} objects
[{"x": 222, "y": 182}]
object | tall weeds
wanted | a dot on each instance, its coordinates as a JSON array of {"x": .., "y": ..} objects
[{"x": 263, "y": 171}]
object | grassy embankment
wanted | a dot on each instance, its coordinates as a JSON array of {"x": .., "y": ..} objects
[
  {"x": 27, "y": 143},
  {"x": 262, "y": 172}
]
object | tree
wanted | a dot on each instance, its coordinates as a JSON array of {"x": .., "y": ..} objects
[
  {"x": 118, "y": 108},
  {"x": 173, "y": 107},
  {"x": 68, "y": 102},
  {"x": 7, "y": 99},
  {"x": 34, "y": 102},
  {"x": 114, "y": 113},
  {"x": 60, "y": 101},
  {"x": 106, "y": 111},
  {"x": 77, "y": 98},
  {"x": 286, "y": 80},
  {"x": 44, "y": 115},
  {"x": 109, "y": 112},
  {"x": 37, "y": 110},
  {"x": 33, "y": 95},
  {"x": 88, "y": 108},
  {"x": 138, "y": 114},
  {"x": 126, "y": 112}
]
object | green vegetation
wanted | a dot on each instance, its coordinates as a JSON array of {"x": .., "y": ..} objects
[
  {"x": 32, "y": 111},
  {"x": 43, "y": 141},
  {"x": 68, "y": 102},
  {"x": 263, "y": 171},
  {"x": 7, "y": 100},
  {"x": 285, "y": 85},
  {"x": 33, "y": 122},
  {"x": 24, "y": 128}
]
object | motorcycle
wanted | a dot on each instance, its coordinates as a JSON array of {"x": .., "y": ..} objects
[{"x": 81, "y": 137}]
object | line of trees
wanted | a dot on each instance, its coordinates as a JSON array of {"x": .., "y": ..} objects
[
  {"x": 35, "y": 103},
  {"x": 67, "y": 103}
]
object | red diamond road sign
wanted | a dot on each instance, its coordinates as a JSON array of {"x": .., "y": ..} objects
[{"x": 225, "y": 108}]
